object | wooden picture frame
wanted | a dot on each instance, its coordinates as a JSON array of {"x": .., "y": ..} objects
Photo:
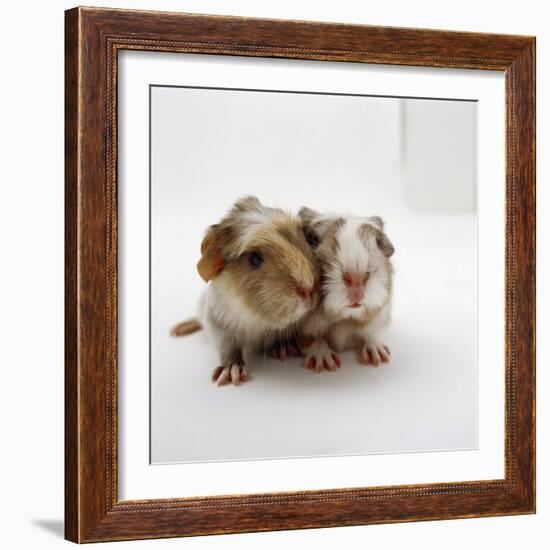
[{"x": 93, "y": 511}]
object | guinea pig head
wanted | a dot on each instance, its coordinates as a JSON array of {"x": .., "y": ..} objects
[
  {"x": 260, "y": 257},
  {"x": 354, "y": 255}
]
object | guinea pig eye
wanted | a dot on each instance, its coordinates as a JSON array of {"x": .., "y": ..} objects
[
  {"x": 311, "y": 238},
  {"x": 255, "y": 259}
]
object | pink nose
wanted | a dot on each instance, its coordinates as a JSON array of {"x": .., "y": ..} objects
[
  {"x": 355, "y": 284},
  {"x": 307, "y": 294},
  {"x": 355, "y": 279}
]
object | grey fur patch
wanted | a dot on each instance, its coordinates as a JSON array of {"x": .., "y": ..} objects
[{"x": 369, "y": 231}]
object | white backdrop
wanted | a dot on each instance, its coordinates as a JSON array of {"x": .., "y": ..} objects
[
  {"x": 412, "y": 161},
  {"x": 31, "y": 221}
]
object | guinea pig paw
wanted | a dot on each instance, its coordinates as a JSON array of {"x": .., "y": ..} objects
[
  {"x": 321, "y": 357},
  {"x": 231, "y": 374},
  {"x": 373, "y": 353}
]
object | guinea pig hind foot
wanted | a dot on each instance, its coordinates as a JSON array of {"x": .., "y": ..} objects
[
  {"x": 282, "y": 351},
  {"x": 230, "y": 374}
]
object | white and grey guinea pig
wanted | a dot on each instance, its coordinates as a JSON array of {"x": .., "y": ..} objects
[
  {"x": 356, "y": 290},
  {"x": 263, "y": 278}
]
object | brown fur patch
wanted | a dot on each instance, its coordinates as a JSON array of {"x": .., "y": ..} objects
[
  {"x": 287, "y": 264},
  {"x": 269, "y": 290},
  {"x": 212, "y": 260},
  {"x": 326, "y": 231}
]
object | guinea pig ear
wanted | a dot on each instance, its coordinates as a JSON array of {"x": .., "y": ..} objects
[
  {"x": 377, "y": 221},
  {"x": 246, "y": 204},
  {"x": 308, "y": 216},
  {"x": 318, "y": 224},
  {"x": 212, "y": 261},
  {"x": 384, "y": 244}
]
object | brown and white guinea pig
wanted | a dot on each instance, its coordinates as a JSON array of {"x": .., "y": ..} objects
[
  {"x": 263, "y": 279},
  {"x": 356, "y": 290}
]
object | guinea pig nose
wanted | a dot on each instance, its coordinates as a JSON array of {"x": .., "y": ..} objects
[
  {"x": 305, "y": 293},
  {"x": 354, "y": 279}
]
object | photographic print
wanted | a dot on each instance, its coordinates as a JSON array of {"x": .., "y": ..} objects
[
  {"x": 299, "y": 274},
  {"x": 313, "y": 286}
]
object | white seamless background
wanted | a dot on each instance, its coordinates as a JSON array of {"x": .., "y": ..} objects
[
  {"x": 412, "y": 161},
  {"x": 139, "y": 479}
]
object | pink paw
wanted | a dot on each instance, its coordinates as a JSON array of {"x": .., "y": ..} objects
[
  {"x": 373, "y": 353},
  {"x": 233, "y": 374},
  {"x": 320, "y": 357}
]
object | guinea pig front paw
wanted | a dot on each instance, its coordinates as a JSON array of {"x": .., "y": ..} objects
[
  {"x": 320, "y": 357},
  {"x": 373, "y": 353},
  {"x": 230, "y": 374}
]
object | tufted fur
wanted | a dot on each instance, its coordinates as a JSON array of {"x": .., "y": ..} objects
[
  {"x": 247, "y": 306},
  {"x": 356, "y": 245}
]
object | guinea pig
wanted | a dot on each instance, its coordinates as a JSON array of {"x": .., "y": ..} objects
[
  {"x": 263, "y": 278},
  {"x": 356, "y": 290}
]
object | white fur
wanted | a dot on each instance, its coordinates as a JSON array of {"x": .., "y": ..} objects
[
  {"x": 255, "y": 220},
  {"x": 230, "y": 311},
  {"x": 354, "y": 257},
  {"x": 342, "y": 336},
  {"x": 316, "y": 324},
  {"x": 352, "y": 254}
]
